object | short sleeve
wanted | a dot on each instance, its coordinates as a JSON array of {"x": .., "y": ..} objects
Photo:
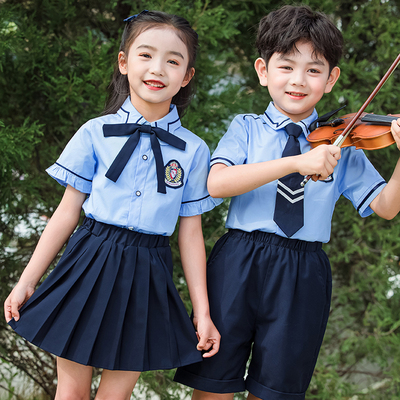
[
  {"x": 196, "y": 199},
  {"x": 232, "y": 148},
  {"x": 360, "y": 181},
  {"x": 77, "y": 163}
]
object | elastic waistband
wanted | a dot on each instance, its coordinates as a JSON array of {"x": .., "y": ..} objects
[
  {"x": 275, "y": 240},
  {"x": 123, "y": 235}
]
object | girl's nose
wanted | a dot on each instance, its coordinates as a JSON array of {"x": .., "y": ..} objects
[{"x": 156, "y": 68}]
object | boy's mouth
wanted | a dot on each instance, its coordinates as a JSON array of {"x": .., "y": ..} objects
[
  {"x": 154, "y": 84},
  {"x": 296, "y": 94}
]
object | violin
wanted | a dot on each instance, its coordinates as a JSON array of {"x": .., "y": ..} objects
[
  {"x": 370, "y": 132},
  {"x": 366, "y": 131}
]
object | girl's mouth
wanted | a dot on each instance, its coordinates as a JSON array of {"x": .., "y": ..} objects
[{"x": 154, "y": 85}]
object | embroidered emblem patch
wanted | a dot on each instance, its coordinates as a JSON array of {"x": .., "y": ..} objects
[{"x": 174, "y": 174}]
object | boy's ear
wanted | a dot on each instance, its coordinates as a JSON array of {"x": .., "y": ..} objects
[
  {"x": 333, "y": 77},
  {"x": 261, "y": 69},
  {"x": 122, "y": 63},
  {"x": 188, "y": 77}
]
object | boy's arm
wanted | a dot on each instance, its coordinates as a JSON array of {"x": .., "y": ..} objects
[
  {"x": 193, "y": 257},
  {"x": 387, "y": 204},
  {"x": 58, "y": 230},
  {"x": 224, "y": 181}
]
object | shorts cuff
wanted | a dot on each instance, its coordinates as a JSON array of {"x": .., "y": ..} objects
[
  {"x": 207, "y": 384},
  {"x": 263, "y": 392}
]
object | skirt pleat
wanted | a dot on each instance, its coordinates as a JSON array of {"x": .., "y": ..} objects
[
  {"x": 50, "y": 301},
  {"x": 111, "y": 303}
]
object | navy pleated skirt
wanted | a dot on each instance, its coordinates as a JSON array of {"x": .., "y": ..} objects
[{"x": 111, "y": 303}]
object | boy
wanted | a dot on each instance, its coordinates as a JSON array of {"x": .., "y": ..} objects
[{"x": 269, "y": 280}]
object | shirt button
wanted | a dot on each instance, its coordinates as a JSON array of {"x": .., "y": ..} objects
[
  {"x": 138, "y": 193},
  {"x": 144, "y": 157}
]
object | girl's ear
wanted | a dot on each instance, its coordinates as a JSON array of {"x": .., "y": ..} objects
[
  {"x": 188, "y": 77},
  {"x": 333, "y": 77},
  {"x": 122, "y": 63},
  {"x": 261, "y": 69}
]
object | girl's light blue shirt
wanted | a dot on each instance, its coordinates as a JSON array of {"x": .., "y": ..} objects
[
  {"x": 256, "y": 138},
  {"x": 133, "y": 201}
]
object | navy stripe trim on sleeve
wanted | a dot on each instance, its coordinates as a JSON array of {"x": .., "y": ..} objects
[
  {"x": 369, "y": 194},
  {"x": 221, "y": 158},
  {"x": 193, "y": 201},
  {"x": 72, "y": 172}
]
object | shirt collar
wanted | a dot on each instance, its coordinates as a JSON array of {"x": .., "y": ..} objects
[
  {"x": 276, "y": 120},
  {"x": 129, "y": 114}
]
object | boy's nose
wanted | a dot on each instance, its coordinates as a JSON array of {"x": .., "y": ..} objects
[{"x": 297, "y": 79}]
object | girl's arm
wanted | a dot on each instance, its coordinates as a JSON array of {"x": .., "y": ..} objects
[
  {"x": 232, "y": 181},
  {"x": 193, "y": 256},
  {"x": 386, "y": 204},
  {"x": 58, "y": 230}
]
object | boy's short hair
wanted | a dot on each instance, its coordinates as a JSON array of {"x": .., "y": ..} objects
[{"x": 280, "y": 30}]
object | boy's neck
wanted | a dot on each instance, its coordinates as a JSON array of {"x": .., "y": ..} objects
[{"x": 293, "y": 118}]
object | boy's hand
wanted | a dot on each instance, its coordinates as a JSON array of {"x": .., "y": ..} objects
[
  {"x": 396, "y": 131},
  {"x": 16, "y": 299},
  {"x": 319, "y": 162},
  {"x": 207, "y": 335}
]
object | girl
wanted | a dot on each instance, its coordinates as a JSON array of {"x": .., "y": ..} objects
[{"x": 110, "y": 302}]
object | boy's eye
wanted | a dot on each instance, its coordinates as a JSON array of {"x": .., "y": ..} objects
[
  {"x": 314, "y": 71},
  {"x": 286, "y": 67}
]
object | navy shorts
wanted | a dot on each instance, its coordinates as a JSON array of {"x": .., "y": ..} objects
[{"x": 269, "y": 298}]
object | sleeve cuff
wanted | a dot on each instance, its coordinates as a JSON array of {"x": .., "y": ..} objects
[
  {"x": 363, "y": 208},
  {"x": 196, "y": 207},
  {"x": 65, "y": 177},
  {"x": 221, "y": 160}
]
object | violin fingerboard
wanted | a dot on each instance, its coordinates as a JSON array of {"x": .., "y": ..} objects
[{"x": 375, "y": 119}]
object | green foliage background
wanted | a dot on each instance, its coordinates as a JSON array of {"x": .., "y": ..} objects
[{"x": 56, "y": 60}]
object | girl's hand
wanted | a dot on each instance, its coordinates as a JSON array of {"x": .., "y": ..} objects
[
  {"x": 207, "y": 335},
  {"x": 396, "y": 131},
  {"x": 16, "y": 299}
]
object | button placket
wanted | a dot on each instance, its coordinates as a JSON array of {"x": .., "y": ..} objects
[{"x": 142, "y": 171}]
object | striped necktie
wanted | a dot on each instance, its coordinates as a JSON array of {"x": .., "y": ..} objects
[{"x": 290, "y": 195}]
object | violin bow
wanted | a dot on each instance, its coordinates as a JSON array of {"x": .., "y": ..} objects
[{"x": 342, "y": 137}]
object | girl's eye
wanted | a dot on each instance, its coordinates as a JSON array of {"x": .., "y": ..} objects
[
  {"x": 145, "y": 55},
  {"x": 173, "y": 62}
]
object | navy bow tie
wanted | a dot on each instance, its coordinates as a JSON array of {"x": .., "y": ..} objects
[{"x": 126, "y": 152}]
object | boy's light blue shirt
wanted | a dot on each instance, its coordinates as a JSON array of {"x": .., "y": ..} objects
[
  {"x": 256, "y": 138},
  {"x": 133, "y": 201}
]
